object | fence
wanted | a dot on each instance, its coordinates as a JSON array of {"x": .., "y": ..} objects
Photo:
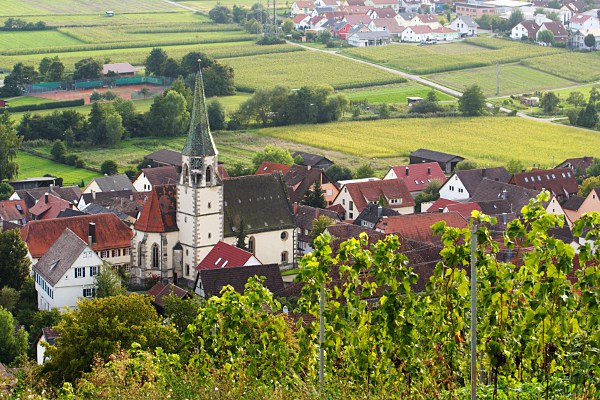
[{"x": 108, "y": 82}]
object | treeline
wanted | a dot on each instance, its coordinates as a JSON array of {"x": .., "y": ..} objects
[{"x": 17, "y": 24}]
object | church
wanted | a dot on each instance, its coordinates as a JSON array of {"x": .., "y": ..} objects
[{"x": 182, "y": 222}]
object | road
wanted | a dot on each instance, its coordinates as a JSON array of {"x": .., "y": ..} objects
[{"x": 181, "y": 5}]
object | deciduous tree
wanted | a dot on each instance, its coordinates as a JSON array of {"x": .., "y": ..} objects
[
  {"x": 13, "y": 343},
  {"x": 472, "y": 101},
  {"x": 273, "y": 154},
  {"x": 14, "y": 264},
  {"x": 88, "y": 68},
  {"x": 10, "y": 143},
  {"x": 109, "y": 167},
  {"x": 155, "y": 60},
  {"x": 216, "y": 115}
]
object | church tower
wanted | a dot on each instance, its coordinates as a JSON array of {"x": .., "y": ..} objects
[{"x": 199, "y": 191}]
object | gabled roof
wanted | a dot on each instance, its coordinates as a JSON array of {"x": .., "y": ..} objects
[
  {"x": 573, "y": 203},
  {"x": 407, "y": 16},
  {"x": 419, "y": 29},
  {"x": 111, "y": 232},
  {"x": 199, "y": 141},
  {"x": 165, "y": 156},
  {"x": 384, "y": 2},
  {"x": 161, "y": 175},
  {"x": 7, "y": 226},
  {"x": 119, "y": 68},
  {"x": 464, "y": 209},
  {"x": 224, "y": 255},
  {"x": 92, "y": 209},
  {"x": 343, "y": 231},
  {"x": 581, "y": 163},
  {"x": 355, "y": 20},
  {"x": 268, "y": 167},
  {"x": 159, "y": 292},
  {"x": 304, "y": 4},
  {"x": 417, "y": 176},
  {"x": 418, "y": 226},
  {"x": 213, "y": 280},
  {"x": 579, "y": 18},
  {"x": 432, "y": 155},
  {"x": 440, "y": 204},
  {"x": 160, "y": 212},
  {"x": 366, "y": 192},
  {"x": 13, "y": 210},
  {"x": 260, "y": 201},
  {"x": 114, "y": 182},
  {"x": 50, "y": 334},
  {"x": 560, "y": 181},
  {"x": 362, "y": 9},
  {"x": 69, "y": 212},
  {"x": 68, "y": 193},
  {"x": 471, "y": 178},
  {"x": 300, "y": 18},
  {"x": 60, "y": 257},
  {"x": 515, "y": 196},
  {"x": 390, "y": 24},
  {"x": 301, "y": 178},
  {"x": 557, "y": 29},
  {"x": 305, "y": 215},
  {"x": 468, "y": 21},
  {"x": 356, "y": 2},
  {"x": 384, "y": 13},
  {"x": 373, "y": 212},
  {"x": 444, "y": 29},
  {"x": 48, "y": 207},
  {"x": 427, "y": 18}
]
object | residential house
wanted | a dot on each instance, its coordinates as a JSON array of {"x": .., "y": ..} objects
[
  {"x": 578, "y": 165},
  {"x": 429, "y": 20},
  {"x": 302, "y": 7},
  {"x": 150, "y": 177},
  {"x": 527, "y": 29},
  {"x": 411, "y": 6},
  {"x": 418, "y": 33},
  {"x": 462, "y": 184},
  {"x": 120, "y": 201},
  {"x": 268, "y": 167},
  {"x": 447, "y": 161},
  {"x": 355, "y": 21},
  {"x": 474, "y": 10},
  {"x": 359, "y": 10},
  {"x": 443, "y": 33},
  {"x": 32, "y": 183},
  {"x": 589, "y": 204},
  {"x": 109, "y": 183},
  {"x": 210, "y": 282},
  {"x": 317, "y": 23},
  {"x": 417, "y": 176},
  {"x": 389, "y": 25},
  {"x": 300, "y": 179},
  {"x": 561, "y": 182},
  {"x": 159, "y": 292},
  {"x": 331, "y": 3},
  {"x": 572, "y": 206},
  {"x": 313, "y": 160},
  {"x": 110, "y": 237},
  {"x": 65, "y": 273},
  {"x": 393, "y": 4},
  {"x": 378, "y": 13},
  {"x": 404, "y": 18},
  {"x": 14, "y": 211},
  {"x": 418, "y": 226},
  {"x": 558, "y": 31},
  {"x": 573, "y": 8},
  {"x": 164, "y": 157},
  {"x": 305, "y": 215},
  {"x": 47, "y": 336},
  {"x": 464, "y": 209},
  {"x": 31, "y": 196},
  {"x": 370, "y": 216},
  {"x": 583, "y": 22},
  {"x": 367, "y": 39},
  {"x": 121, "y": 69},
  {"x": 577, "y": 40},
  {"x": 49, "y": 207},
  {"x": 341, "y": 29},
  {"x": 301, "y": 22},
  {"x": 7, "y": 226},
  {"x": 225, "y": 255},
  {"x": 354, "y": 197},
  {"x": 465, "y": 25},
  {"x": 438, "y": 205}
]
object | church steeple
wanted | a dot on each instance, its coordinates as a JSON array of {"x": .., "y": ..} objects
[{"x": 199, "y": 141}]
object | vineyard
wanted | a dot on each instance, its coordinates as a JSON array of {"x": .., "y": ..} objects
[
  {"x": 579, "y": 67},
  {"x": 45, "y": 7}
]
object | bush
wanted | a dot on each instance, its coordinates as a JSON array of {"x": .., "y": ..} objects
[
  {"x": 59, "y": 150},
  {"x": 46, "y": 106},
  {"x": 71, "y": 159},
  {"x": 109, "y": 167}
]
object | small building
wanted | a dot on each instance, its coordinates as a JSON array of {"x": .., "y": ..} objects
[
  {"x": 443, "y": 33},
  {"x": 465, "y": 25},
  {"x": 121, "y": 69},
  {"x": 417, "y": 176},
  {"x": 164, "y": 157},
  {"x": 313, "y": 160},
  {"x": 525, "y": 29},
  {"x": 46, "y": 336},
  {"x": 225, "y": 255},
  {"x": 109, "y": 183},
  {"x": 474, "y": 10},
  {"x": 14, "y": 211},
  {"x": 32, "y": 196},
  {"x": 368, "y": 39},
  {"x": 150, "y": 177},
  {"x": 418, "y": 33},
  {"x": 109, "y": 14},
  {"x": 49, "y": 207},
  {"x": 446, "y": 161},
  {"x": 159, "y": 292},
  {"x": 463, "y": 184},
  {"x": 32, "y": 183},
  {"x": 210, "y": 282},
  {"x": 558, "y": 31}
]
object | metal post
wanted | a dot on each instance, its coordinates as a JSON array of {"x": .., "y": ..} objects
[
  {"x": 473, "y": 314},
  {"x": 321, "y": 337},
  {"x": 497, "y": 79}
]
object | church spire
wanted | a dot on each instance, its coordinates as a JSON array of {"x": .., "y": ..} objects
[{"x": 199, "y": 141}]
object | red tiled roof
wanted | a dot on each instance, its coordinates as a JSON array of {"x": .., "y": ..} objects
[
  {"x": 338, "y": 208},
  {"x": 49, "y": 209},
  {"x": 560, "y": 181},
  {"x": 419, "y": 175},
  {"x": 579, "y": 18},
  {"x": 224, "y": 255},
  {"x": 357, "y": 19},
  {"x": 111, "y": 232},
  {"x": 268, "y": 167},
  {"x": 299, "y": 18},
  {"x": 443, "y": 29},
  {"x": 418, "y": 226},
  {"x": 464, "y": 209},
  {"x": 427, "y": 18},
  {"x": 160, "y": 212},
  {"x": 419, "y": 29},
  {"x": 305, "y": 4},
  {"x": 159, "y": 291},
  {"x": 365, "y": 192},
  {"x": 440, "y": 203},
  {"x": 161, "y": 175},
  {"x": 9, "y": 210},
  {"x": 358, "y": 9}
]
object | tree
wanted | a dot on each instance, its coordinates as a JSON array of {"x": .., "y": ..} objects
[
  {"x": 169, "y": 115},
  {"x": 9, "y": 297},
  {"x": 13, "y": 343},
  {"x": 170, "y": 68},
  {"x": 515, "y": 18},
  {"x": 220, "y": 14},
  {"x": 515, "y": 166},
  {"x": 339, "y": 173},
  {"x": 319, "y": 225},
  {"x": 218, "y": 80},
  {"x": 155, "y": 60},
  {"x": 14, "y": 263},
  {"x": 240, "y": 236},
  {"x": 5, "y": 191},
  {"x": 590, "y": 41},
  {"x": 315, "y": 197},
  {"x": 238, "y": 13},
  {"x": 10, "y": 143},
  {"x": 588, "y": 185},
  {"x": 588, "y": 116},
  {"x": 106, "y": 324},
  {"x": 549, "y": 102},
  {"x": 105, "y": 124},
  {"x": 108, "y": 282},
  {"x": 109, "y": 167},
  {"x": 114, "y": 128},
  {"x": 324, "y": 37},
  {"x": 465, "y": 165},
  {"x": 576, "y": 98},
  {"x": 216, "y": 115},
  {"x": 253, "y": 26},
  {"x": 95, "y": 96},
  {"x": 431, "y": 193},
  {"x": 364, "y": 171},
  {"x": 14, "y": 83},
  {"x": 593, "y": 169},
  {"x": 594, "y": 95},
  {"x": 51, "y": 69},
  {"x": 145, "y": 92},
  {"x": 181, "y": 312},
  {"x": 88, "y": 68},
  {"x": 287, "y": 26},
  {"x": 272, "y": 154},
  {"x": 546, "y": 36},
  {"x": 472, "y": 102},
  {"x": 59, "y": 150},
  {"x": 129, "y": 117},
  {"x": 180, "y": 87}
]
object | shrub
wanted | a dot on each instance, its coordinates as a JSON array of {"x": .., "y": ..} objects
[{"x": 109, "y": 167}]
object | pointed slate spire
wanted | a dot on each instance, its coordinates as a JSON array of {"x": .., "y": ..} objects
[{"x": 199, "y": 141}]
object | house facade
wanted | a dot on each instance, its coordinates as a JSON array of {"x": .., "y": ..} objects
[{"x": 465, "y": 25}]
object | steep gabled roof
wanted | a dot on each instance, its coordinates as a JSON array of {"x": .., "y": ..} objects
[
  {"x": 123, "y": 201},
  {"x": 300, "y": 18},
  {"x": 443, "y": 29},
  {"x": 7, "y": 226},
  {"x": 268, "y": 167},
  {"x": 560, "y": 181},
  {"x": 213, "y": 280},
  {"x": 557, "y": 29},
  {"x": 159, "y": 292},
  {"x": 418, "y": 226},
  {"x": 305, "y": 215},
  {"x": 579, "y": 18},
  {"x": 304, "y": 4},
  {"x": 261, "y": 201},
  {"x": 13, "y": 210},
  {"x": 48, "y": 207},
  {"x": 357, "y": 19},
  {"x": 119, "y": 68},
  {"x": 111, "y": 232},
  {"x": 390, "y": 24},
  {"x": 427, "y": 18},
  {"x": 468, "y": 21},
  {"x": 114, "y": 182},
  {"x": 440, "y": 204},
  {"x": 417, "y": 176},
  {"x": 160, "y": 212},
  {"x": 581, "y": 163},
  {"x": 343, "y": 231},
  {"x": 573, "y": 203},
  {"x": 373, "y": 212},
  {"x": 161, "y": 175},
  {"x": 301, "y": 178},
  {"x": 464, "y": 209},
  {"x": 165, "y": 156},
  {"x": 531, "y": 26},
  {"x": 420, "y": 29},
  {"x": 432, "y": 155},
  {"x": 60, "y": 257},
  {"x": 516, "y": 196},
  {"x": 384, "y": 13},
  {"x": 224, "y": 255},
  {"x": 366, "y": 192},
  {"x": 68, "y": 193},
  {"x": 471, "y": 178}
]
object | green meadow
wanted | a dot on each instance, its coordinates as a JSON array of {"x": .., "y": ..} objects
[{"x": 31, "y": 166}]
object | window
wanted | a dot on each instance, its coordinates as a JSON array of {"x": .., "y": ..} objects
[
  {"x": 209, "y": 235},
  {"x": 104, "y": 254},
  {"x": 460, "y": 190},
  {"x": 116, "y": 253},
  {"x": 208, "y": 175},
  {"x": 94, "y": 270},
  {"x": 126, "y": 251},
  {"x": 89, "y": 292},
  {"x": 351, "y": 205},
  {"x": 284, "y": 235},
  {"x": 251, "y": 245},
  {"x": 139, "y": 255},
  {"x": 80, "y": 272},
  {"x": 526, "y": 180},
  {"x": 187, "y": 269},
  {"x": 209, "y": 204},
  {"x": 351, "y": 215},
  {"x": 284, "y": 256},
  {"x": 155, "y": 257}
]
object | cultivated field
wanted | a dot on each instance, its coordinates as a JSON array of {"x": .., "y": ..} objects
[
  {"x": 394, "y": 93},
  {"x": 449, "y": 56},
  {"x": 579, "y": 67},
  {"x": 20, "y": 40},
  {"x": 43, "y": 7},
  {"x": 514, "y": 78},
  {"x": 207, "y": 5},
  {"x": 31, "y": 166},
  {"x": 488, "y": 141},
  {"x": 305, "y": 68}
]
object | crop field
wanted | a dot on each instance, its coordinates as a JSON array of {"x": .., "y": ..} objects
[
  {"x": 42, "y": 7},
  {"x": 513, "y": 79},
  {"x": 447, "y": 56},
  {"x": 395, "y": 93},
  {"x": 19, "y": 40},
  {"x": 488, "y": 141},
  {"x": 585, "y": 89},
  {"x": 32, "y": 166},
  {"x": 142, "y": 19},
  {"x": 579, "y": 67},
  {"x": 207, "y": 5},
  {"x": 291, "y": 70}
]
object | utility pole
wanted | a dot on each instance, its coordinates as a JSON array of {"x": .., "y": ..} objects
[
  {"x": 497, "y": 79},
  {"x": 473, "y": 313},
  {"x": 321, "y": 337},
  {"x": 275, "y": 19}
]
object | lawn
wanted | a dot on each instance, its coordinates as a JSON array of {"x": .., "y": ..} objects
[
  {"x": 449, "y": 56},
  {"x": 41, "y": 7},
  {"x": 513, "y": 79},
  {"x": 291, "y": 69},
  {"x": 20, "y": 40},
  {"x": 488, "y": 141},
  {"x": 32, "y": 166},
  {"x": 580, "y": 67},
  {"x": 27, "y": 100},
  {"x": 395, "y": 93}
]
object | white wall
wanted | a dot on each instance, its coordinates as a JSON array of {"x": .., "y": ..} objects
[
  {"x": 454, "y": 189},
  {"x": 269, "y": 245}
]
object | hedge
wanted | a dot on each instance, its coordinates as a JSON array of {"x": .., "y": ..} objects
[{"x": 45, "y": 106}]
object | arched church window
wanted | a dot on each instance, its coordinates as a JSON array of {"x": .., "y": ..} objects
[
  {"x": 185, "y": 173},
  {"x": 251, "y": 245},
  {"x": 155, "y": 257},
  {"x": 139, "y": 254}
]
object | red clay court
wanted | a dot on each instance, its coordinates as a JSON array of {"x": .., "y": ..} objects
[{"x": 124, "y": 92}]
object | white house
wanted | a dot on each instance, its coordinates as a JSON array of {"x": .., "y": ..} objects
[
  {"x": 444, "y": 33},
  {"x": 582, "y": 22},
  {"x": 462, "y": 184},
  {"x": 465, "y": 25},
  {"x": 419, "y": 33},
  {"x": 526, "y": 29},
  {"x": 577, "y": 40},
  {"x": 47, "y": 336},
  {"x": 66, "y": 273},
  {"x": 109, "y": 183},
  {"x": 367, "y": 39},
  {"x": 302, "y": 7},
  {"x": 150, "y": 177},
  {"x": 425, "y": 19}
]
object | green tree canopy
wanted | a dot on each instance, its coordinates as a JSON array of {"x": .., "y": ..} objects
[
  {"x": 216, "y": 115},
  {"x": 339, "y": 173},
  {"x": 588, "y": 185},
  {"x": 546, "y": 36},
  {"x": 14, "y": 263},
  {"x": 588, "y": 116},
  {"x": 59, "y": 150},
  {"x": 549, "y": 102},
  {"x": 13, "y": 343},
  {"x": 88, "y": 68},
  {"x": 472, "y": 101},
  {"x": 273, "y": 154},
  {"x": 364, "y": 171},
  {"x": 168, "y": 114},
  {"x": 314, "y": 196},
  {"x": 576, "y": 98},
  {"x": 108, "y": 282},
  {"x": 221, "y": 14},
  {"x": 590, "y": 40},
  {"x": 10, "y": 143},
  {"x": 155, "y": 61},
  {"x": 515, "y": 166},
  {"x": 181, "y": 312},
  {"x": 105, "y": 124},
  {"x": 109, "y": 167},
  {"x": 5, "y": 191},
  {"x": 465, "y": 165}
]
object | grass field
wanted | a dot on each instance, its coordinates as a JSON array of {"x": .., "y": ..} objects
[
  {"x": 291, "y": 69},
  {"x": 394, "y": 93},
  {"x": 142, "y": 19},
  {"x": 489, "y": 141},
  {"x": 579, "y": 67},
  {"x": 27, "y": 100},
  {"x": 42, "y": 7},
  {"x": 449, "y": 56},
  {"x": 513, "y": 79},
  {"x": 207, "y": 5},
  {"x": 32, "y": 166},
  {"x": 19, "y": 40}
]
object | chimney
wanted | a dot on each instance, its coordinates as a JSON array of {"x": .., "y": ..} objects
[
  {"x": 379, "y": 211},
  {"x": 93, "y": 195},
  {"x": 504, "y": 194},
  {"x": 406, "y": 171},
  {"x": 51, "y": 187},
  {"x": 92, "y": 232},
  {"x": 428, "y": 170},
  {"x": 122, "y": 201},
  {"x": 46, "y": 197},
  {"x": 504, "y": 218},
  {"x": 131, "y": 197}
]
